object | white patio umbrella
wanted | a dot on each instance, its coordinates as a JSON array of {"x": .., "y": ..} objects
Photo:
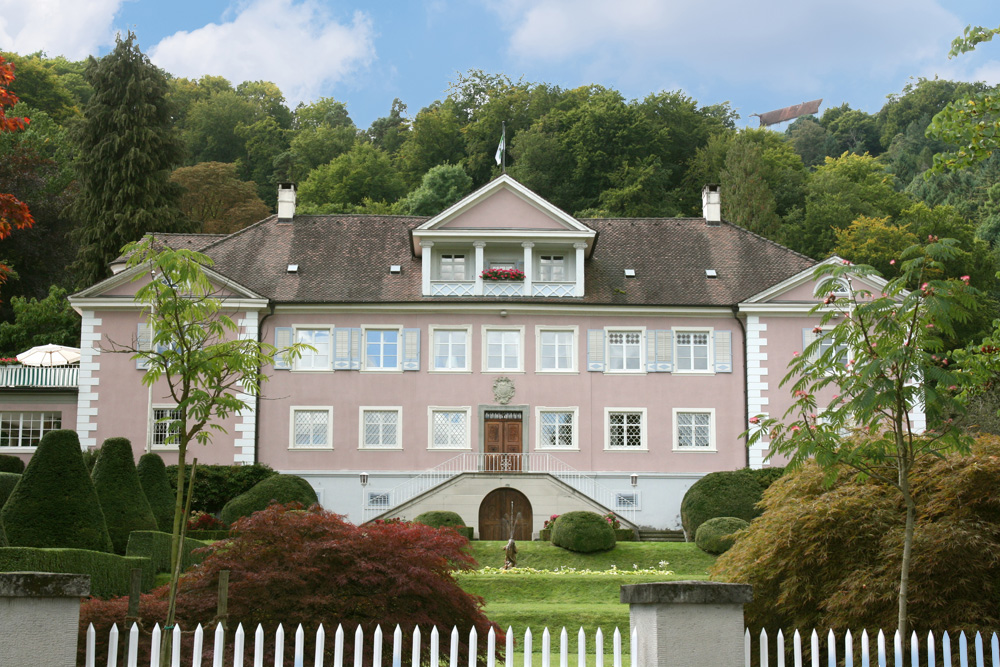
[{"x": 50, "y": 355}]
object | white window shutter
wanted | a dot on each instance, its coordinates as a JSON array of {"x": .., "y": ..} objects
[
  {"x": 808, "y": 337},
  {"x": 411, "y": 349},
  {"x": 346, "y": 349},
  {"x": 659, "y": 350},
  {"x": 723, "y": 351},
  {"x": 595, "y": 350},
  {"x": 143, "y": 343},
  {"x": 282, "y": 341}
]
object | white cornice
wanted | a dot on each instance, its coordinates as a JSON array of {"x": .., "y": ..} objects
[
  {"x": 803, "y": 277},
  {"x": 131, "y": 273},
  {"x": 126, "y": 302},
  {"x": 452, "y": 307}
]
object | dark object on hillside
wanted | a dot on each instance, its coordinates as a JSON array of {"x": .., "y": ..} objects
[
  {"x": 280, "y": 489},
  {"x": 122, "y": 499},
  {"x": 583, "y": 532},
  {"x": 55, "y": 504},
  {"x": 788, "y": 113}
]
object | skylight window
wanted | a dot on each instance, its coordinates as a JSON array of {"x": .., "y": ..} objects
[
  {"x": 630, "y": 273},
  {"x": 293, "y": 268},
  {"x": 710, "y": 273},
  {"x": 395, "y": 268}
]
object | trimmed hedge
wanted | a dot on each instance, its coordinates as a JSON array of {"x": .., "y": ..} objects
[
  {"x": 55, "y": 504},
  {"x": 440, "y": 519},
  {"x": 11, "y": 463},
  {"x": 155, "y": 546},
  {"x": 281, "y": 489},
  {"x": 153, "y": 478},
  {"x": 583, "y": 532},
  {"x": 216, "y": 485},
  {"x": 8, "y": 480},
  {"x": 624, "y": 535},
  {"x": 110, "y": 574},
  {"x": 726, "y": 493},
  {"x": 122, "y": 499},
  {"x": 208, "y": 536},
  {"x": 715, "y": 535}
]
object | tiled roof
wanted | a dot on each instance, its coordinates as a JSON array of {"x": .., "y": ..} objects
[
  {"x": 178, "y": 242},
  {"x": 346, "y": 259}
]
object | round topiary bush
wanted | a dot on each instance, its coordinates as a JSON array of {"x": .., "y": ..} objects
[
  {"x": 11, "y": 463},
  {"x": 767, "y": 476},
  {"x": 715, "y": 536},
  {"x": 442, "y": 519},
  {"x": 55, "y": 504},
  {"x": 8, "y": 480},
  {"x": 122, "y": 499},
  {"x": 728, "y": 493},
  {"x": 153, "y": 478},
  {"x": 584, "y": 532},
  {"x": 281, "y": 489}
]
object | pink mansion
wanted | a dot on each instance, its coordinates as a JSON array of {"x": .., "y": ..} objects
[{"x": 618, "y": 370}]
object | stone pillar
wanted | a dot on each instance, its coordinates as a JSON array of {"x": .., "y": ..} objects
[
  {"x": 529, "y": 266},
  {"x": 40, "y": 616},
  {"x": 580, "y": 250},
  {"x": 477, "y": 290},
  {"x": 425, "y": 266},
  {"x": 688, "y": 623}
]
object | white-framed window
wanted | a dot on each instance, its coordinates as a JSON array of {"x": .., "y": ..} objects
[
  {"x": 826, "y": 343},
  {"x": 166, "y": 425},
  {"x": 555, "y": 349},
  {"x": 501, "y": 264},
  {"x": 25, "y": 429},
  {"x": 453, "y": 267},
  {"x": 448, "y": 428},
  {"x": 692, "y": 351},
  {"x": 627, "y": 500},
  {"x": 558, "y": 428},
  {"x": 625, "y": 350},
  {"x": 503, "y": 349},
  {"x": 377, "y": 499},
  {"x": 625, "y": 429},
  {"x": 382, "y": 349},
  {"x": 552, "y": 268},
  {"x": 318, "y": 358},
  {"x": 311, "y": 427},
  {"x": 694, "y": 429},
  {"x": 450, "y": 348},
  {"x": 381, "y": 427}
]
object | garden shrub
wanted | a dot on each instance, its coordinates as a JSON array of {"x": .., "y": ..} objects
[
  {"x": 8, "y": 480},
  {"x": 208, "y": 535},
  {"x": 715, "y": 536},
  {"x": 829, "y": 556},
  {"x": 727, "y": 493},
  {"x": 584, "y": 532},
  {"x": 110, "y": 574},
  {"x": 216, "y": 485},
  {"x": 11, "y": 463},
  {"x": 55, "y": 504},
  {"x": 90, "y": 457},
  {"x": 766, "y": 476},
  {"x": 440, "y": 519},
  {"x": 155, "y": 546},
  {"x": 153, "y": 478},
  {"x": 281, "y": 489},
  {"x": 122, "y": 499},
  {"x": 309, "y": 566}
]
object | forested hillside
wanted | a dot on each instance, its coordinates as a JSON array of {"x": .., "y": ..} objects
[{"x": 210, "y": 153}]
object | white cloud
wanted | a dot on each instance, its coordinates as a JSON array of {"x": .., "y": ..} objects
[
  {"x": 297, "y": 45},
  {"x": 71, "y": 28}
]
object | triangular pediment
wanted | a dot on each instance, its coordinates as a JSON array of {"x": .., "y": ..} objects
[
  {"x": 801, "y": 288},
  {"x": 124, "y": 284}
]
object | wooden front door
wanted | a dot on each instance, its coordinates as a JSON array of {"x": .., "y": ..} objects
[
  {"x": 503, "y": 441},
  {"x": 495, "y": 505}
]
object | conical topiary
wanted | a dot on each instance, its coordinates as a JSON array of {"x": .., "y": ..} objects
[
  {"x": 55, "y": 504},
  {"x": 122, "y": 499},
  {"x": 3, "y": 536},
  {"x": 8, "y": 480},
  {"x": 156, "y": 486}
]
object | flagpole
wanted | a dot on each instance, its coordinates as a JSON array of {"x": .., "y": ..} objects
[{"x": 503, "y": 133}]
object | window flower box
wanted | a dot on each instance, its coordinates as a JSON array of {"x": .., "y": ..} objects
[{"x": 502, "y": 275}]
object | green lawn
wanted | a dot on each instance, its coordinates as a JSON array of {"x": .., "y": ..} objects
[{"x": 682, "y": 558}]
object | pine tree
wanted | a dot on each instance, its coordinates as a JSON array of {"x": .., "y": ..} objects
[
  {"x": 127, "y": 147},
  {"x": 122, "y": 499},
  {"x": 748, "y": 200}
]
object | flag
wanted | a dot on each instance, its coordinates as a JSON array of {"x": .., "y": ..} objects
[{"x": 499, "y": 156}]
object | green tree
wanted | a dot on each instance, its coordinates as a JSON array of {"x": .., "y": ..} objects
[
  {"x": 748, "y": 201},
  {"x": 811, "y": 140},
  {"x": 51, "y": 320},
  {"x": 876, "y": 242},
  {"x": 389, "y": 132},
  {"x": 435, "y": 138},
  {"x": 217, "y": 199},
  {"x": 121, "y": 496},
  {"x": 38, "y": 86},
  {"x": 127, "y": 148},
  {"x": 919, "y": 102},
  {"x": 891, "y": 342},
  {"x": 440, "y": 187},
  {"x": 364, "y": 172},
  {"x": 852, "y": 130},
  {"x": 321, "y": 131}
]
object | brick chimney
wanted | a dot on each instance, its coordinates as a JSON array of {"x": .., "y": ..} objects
[
  {"x": 286, "y": 201},
  {"x": 711, "y": 204}
]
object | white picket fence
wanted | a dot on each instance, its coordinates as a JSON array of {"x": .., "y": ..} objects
[
  {"x": 928, "y": 654},
  {"x": 239, "y": 644}
]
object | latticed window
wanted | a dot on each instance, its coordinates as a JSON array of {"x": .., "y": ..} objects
[
  {"x": 450, "y": 429},
  {"x": 317, "y": 358},
  {"x": 25, "y": 429},
  {"x": 452, "y": 267},
  {"x": 694, "y": 430},
  {"x": 381, "y": 349},
  {"x": 552, "y": 268},
  {"x": 503, "y": 350},
  {"x": 624, "y": 430},
  {"x": 381, "y": 428},
  {"x": 557, "y": 350},
  {"x": 166, "y": 426},
  {"x": 312, "y": 428},
  {"x": 450, "y": 348},
  {"x": 556, "y": 429},
  {"x": 692, "y": 351},
  {"x": 624, "y": 350}
]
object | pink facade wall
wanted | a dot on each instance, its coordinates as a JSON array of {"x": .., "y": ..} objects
[
  {"x": 503, "y": 209},
  {"x": 18, "y": 401}
]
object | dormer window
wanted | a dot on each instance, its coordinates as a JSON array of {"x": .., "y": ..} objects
[
  {"x": 453, "y": 267},
  {"x": 552, "y": 268}
]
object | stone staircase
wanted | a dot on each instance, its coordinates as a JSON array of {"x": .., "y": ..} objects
[{"x": 646, "y": 535}]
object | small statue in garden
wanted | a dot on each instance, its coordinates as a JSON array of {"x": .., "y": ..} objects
[{"x": 510, "y": 550}]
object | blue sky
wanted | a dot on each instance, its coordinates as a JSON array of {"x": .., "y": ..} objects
[{"x": 758, "y": 56}]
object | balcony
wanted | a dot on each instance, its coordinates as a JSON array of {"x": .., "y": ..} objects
[
  {"x": 502, "y": 288},
  {"x": 39, "y": 377}
]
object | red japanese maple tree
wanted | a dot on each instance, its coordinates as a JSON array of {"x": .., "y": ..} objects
[{"x": 13, "y": 212}]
